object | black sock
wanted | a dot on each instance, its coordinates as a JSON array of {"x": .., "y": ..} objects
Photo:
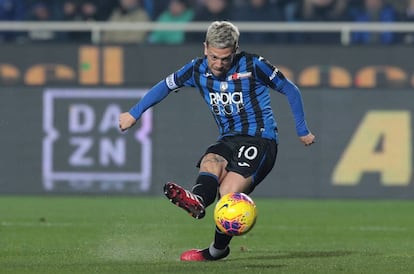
[
  {"x": 206, "y": 187},
  {"x": 221, "y": 240}
]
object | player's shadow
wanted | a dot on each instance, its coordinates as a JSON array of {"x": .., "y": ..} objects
[
  {"x": 303, "y": 254},
  {"x": 272, "y": 258}
]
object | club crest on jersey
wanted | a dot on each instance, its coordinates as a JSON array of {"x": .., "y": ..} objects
[
  {"x": 239, "y": 75},
  {"x": 223, "y": 86}
]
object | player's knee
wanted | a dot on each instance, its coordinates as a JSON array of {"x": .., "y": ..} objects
[
  {"x": 235, "y": 183},
  {"x": 214, "y": 164}
]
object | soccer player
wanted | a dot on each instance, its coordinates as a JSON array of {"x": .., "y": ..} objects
[{"x": 236, "y": 87}]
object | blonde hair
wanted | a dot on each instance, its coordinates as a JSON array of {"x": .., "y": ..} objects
[{"x": 222, "y": 34}]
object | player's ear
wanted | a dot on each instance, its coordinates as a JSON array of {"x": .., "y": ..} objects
[{"x": 205, "y": 48}]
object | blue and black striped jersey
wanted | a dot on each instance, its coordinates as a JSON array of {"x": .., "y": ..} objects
[{"x": 240, "y": 101}]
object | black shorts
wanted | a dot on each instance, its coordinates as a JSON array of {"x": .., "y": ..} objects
[{"x": 246, "y": 155}]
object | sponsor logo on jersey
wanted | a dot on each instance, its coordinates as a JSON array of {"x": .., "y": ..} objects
[
  {"x": 225, "y": 103},
  {"x": 239, "y": 75},
  {"x": 275, "y": 71}
]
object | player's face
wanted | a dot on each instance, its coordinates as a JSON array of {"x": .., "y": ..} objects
[{"x": 219, "y": 60}]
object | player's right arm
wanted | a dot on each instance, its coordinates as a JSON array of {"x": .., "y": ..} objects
[{"x": 156, "y": 94}]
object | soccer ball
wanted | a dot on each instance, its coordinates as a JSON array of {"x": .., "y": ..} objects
[{"x": 235, "y": 214}]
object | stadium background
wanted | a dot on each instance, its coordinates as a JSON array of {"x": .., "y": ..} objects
[{"x": 59, "y": 105}]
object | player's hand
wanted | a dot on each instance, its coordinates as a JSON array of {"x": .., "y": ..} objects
[
  {"x": 307, "y": 140},
  {"x": 126, "y": 120}
]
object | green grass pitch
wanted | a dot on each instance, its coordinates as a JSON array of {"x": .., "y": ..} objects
[{"x": 147, "y": 235}]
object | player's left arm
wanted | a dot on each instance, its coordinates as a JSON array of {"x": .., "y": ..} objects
[{"x": 275, "y": 79}]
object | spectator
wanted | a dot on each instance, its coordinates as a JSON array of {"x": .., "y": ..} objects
[
  {"x": 321, "y": 11},
  {"x": 11, "y": 10},
  {"x": 149, "y": 7},
  {"x": 105, "y": 8},
  {"x": 76, "y": 10},
  {"x": 53, "y": 6},
  {"x": 258, "y": 11},
  {"x": 89, "y": 11},
  {"x": 408, "y": 16},
  {"x": 290, "y": 11},
  {"x": 179, "y": 11},
  {"x": 209, "y": 10},
  {"x": 70, "y": 10},
  {"x": 374, "y": 11},
  {"x": 128, "y": 11},
  {"x": 40, "y": 12},
  {"x": 159, "y": 7}
]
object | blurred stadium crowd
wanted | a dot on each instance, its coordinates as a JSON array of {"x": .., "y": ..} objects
[{"x": 181, "y": 11}]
